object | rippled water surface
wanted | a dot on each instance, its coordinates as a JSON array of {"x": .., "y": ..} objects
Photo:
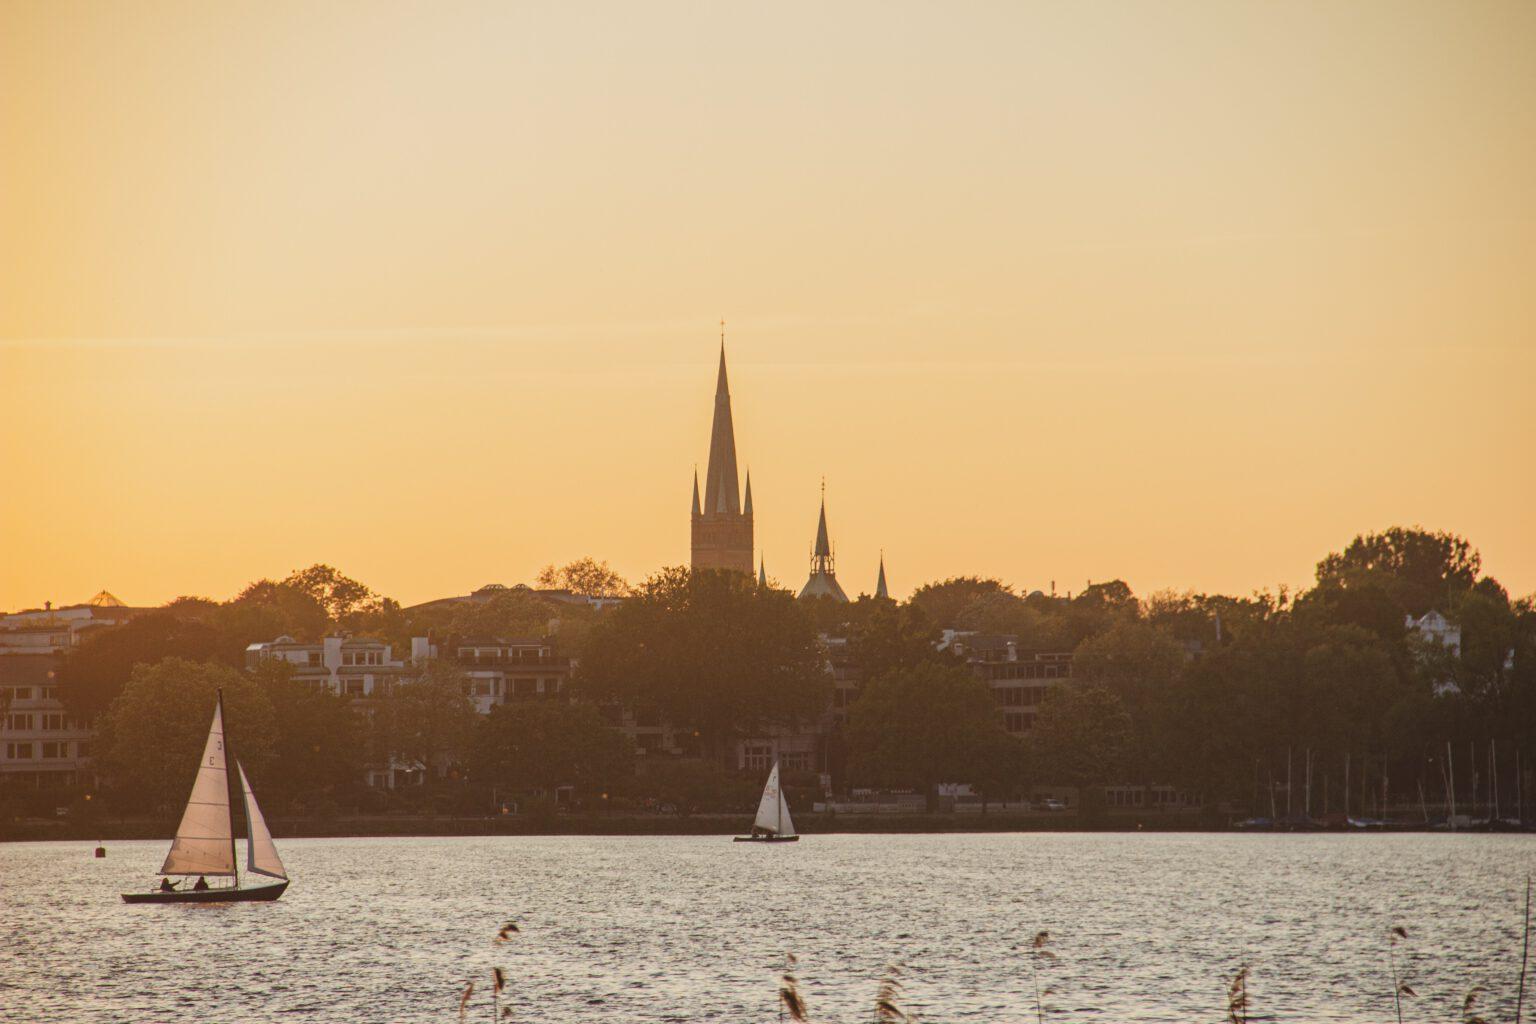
[{"x": 1145, "y": 927}]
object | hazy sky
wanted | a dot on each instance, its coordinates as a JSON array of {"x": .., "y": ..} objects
[{"x": 1185, "y": 293}]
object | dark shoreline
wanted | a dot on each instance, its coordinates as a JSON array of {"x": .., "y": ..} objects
[{"x": 39, "y": 830}]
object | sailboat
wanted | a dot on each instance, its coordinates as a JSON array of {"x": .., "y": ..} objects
[
  {"x": 205, "y": 841},
  {"x": 773, "y": 824}
]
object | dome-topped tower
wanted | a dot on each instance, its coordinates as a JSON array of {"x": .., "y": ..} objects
[{"x": 823, "y": 579}]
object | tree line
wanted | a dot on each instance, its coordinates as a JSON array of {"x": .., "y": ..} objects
[{"x": 1209, "y": 693}]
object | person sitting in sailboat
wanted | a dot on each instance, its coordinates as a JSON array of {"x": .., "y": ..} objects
[
  {"x": 166, "y": 885},
  {"x": 202, "y": 883}
]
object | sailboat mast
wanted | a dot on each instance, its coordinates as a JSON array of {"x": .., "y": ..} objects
[{"x": 231, "y": 767}]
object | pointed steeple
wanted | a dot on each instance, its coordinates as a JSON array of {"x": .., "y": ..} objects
[
  {"x": 762, "y": 573},
  {"x": 880, "y": 590},
  {"x": 721, "y": 489},
  {"x": 696, "y": 490},
  {"x": 823, "y": 545},
  {"x": 746, "y": 503}
]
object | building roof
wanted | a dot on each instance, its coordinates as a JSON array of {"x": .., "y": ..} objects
[
  {"x": 823, "y": 584},
  {"x": 105, "y": 600}
]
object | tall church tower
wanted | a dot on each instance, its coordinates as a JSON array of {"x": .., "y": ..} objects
[{"x": 722, "y": 522}]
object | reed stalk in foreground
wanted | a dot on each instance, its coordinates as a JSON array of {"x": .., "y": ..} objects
[
  {"x": 1469, "y": 1014},
  {"x": 1237, "y": 997},
  {"x": 1038, "y": 952},
  {"x": 1525, "y": 951},
  {"x": 1400, "y": 988},
  {"x": 790, "y": 1000},
  {"x": 886, "y": 1008}
]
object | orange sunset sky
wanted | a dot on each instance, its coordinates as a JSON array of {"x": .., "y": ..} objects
[{"x": 1183, "y": 293}]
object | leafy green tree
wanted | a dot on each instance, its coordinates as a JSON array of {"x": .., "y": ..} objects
[
  {"x": 265, "y": 610},
  {"x": 152, "y": 737},
  {"x": 518, "y": 612},
  {"x": 339, "y": 595},
  {"x": 1489, "y": 633},
  {"x": 1419, "y": 569},
  {"x": 1133, "y": 660},
  {"x": 429, "y": 719},
  {"x": 942, "y": 603},
  {"x": 1082, "y": 736},
  {"x": 712, "y": 651},
  {"x": 93, "y": 674},
  {"x": 921, "y": 726},
  {"x": 585, "y": 576},
  {"x": 892, "y": 637},
  {"x": 692, "y": 784},
  {"x": 545, "y": 744},
  {"x": 319, "y": 749}
]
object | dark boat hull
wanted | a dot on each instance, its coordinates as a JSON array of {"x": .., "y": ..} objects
[
  {"x": 766, "y": 839},
  {"x": 255, "y": 894}
]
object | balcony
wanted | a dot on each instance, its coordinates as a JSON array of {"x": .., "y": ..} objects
[{"x": 484, "y": 661}]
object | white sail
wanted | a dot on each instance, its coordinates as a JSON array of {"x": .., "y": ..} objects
[
  {"x": 787, "y": 824},
  {"x": 771, "y": 808},
  {"x": 204, "y": 843},
  {"x": 261, "y": 854}
]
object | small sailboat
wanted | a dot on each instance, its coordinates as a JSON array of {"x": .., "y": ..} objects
[
  {"x": 205, "y": 840},
  {"x": 773, "y": 824}
]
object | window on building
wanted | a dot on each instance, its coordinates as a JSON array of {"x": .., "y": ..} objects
[
  {"x": 22, "y": 693},
  {"x": 18, "y": 751},
  {"x": 355, "y": 688},
  {"x": 314, "y": 657},
  {"x": 796, "y": 761},
  {"x": 50, "y": 693},
  {"x": 525, "y": 687},
  {"x": 757, "y": 757},
  {"x": 55, "y": 750},
  {"x": 18, "y": 723},
  {"x": 53, "y": 723}
]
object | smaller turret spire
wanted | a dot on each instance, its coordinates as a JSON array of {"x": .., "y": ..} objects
[
  {"x": 746, "y": 505},
  {"x": 696, "y": 510},
  {"x": 880, "y": 590},
  {"x": 823, "y": 545},
  {"x": 762, "y": 572}
]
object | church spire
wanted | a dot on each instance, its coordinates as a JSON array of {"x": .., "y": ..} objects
[
  {"x": 762, "y": 572},
  {"x": 823, "y": 579},
  {"x": 823, "y": 545},
  {"x": 721, "y": 490},
  {"x": 721, "y": 528},
  {"x": 880, "y": 590}
]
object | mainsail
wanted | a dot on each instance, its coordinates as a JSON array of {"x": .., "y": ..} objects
[
  {"x": 204, "y": 842},
  {"x": 261, "y": 854},
  {"x": 772, "y": 811}
]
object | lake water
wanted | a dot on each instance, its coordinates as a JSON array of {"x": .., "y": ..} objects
[{"x": 1144, "y": 927}]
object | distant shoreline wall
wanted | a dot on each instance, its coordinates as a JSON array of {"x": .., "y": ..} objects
[{"x": 32, "y": 830}]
